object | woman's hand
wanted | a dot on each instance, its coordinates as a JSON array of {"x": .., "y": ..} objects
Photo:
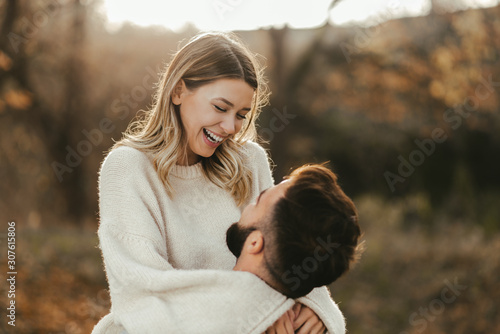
[
  {"x": 283, "y": 325},
  {"x": 306, "y": 321}
]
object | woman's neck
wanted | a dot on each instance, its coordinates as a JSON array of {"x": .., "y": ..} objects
[{"x": 189, "y": 159}]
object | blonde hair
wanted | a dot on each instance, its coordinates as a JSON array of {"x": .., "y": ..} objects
[{"x": 205, "y": 58}]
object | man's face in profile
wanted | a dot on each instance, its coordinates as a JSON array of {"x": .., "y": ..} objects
[{"x": 253, "y": 217}]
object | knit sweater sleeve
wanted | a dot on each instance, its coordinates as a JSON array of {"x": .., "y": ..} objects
[
  {"x": 148, "y": 295},
  {"x": 320, "y": 301}
]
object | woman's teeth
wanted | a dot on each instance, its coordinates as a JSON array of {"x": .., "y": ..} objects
[{"x": 212, "y": 137}]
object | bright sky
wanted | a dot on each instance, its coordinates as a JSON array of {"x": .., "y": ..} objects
[{"x": 253, "y": 14}]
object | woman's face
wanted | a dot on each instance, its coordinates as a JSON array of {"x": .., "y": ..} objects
[{"x": 211, "y": 113}]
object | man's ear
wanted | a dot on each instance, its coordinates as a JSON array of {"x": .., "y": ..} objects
[
  {"x": 179, "y": 92},
  {"x": 255, "y": 242}
]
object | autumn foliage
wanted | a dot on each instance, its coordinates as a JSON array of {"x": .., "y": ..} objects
[{"x": 406, "y": 111}]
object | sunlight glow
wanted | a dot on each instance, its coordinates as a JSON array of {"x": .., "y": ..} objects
[{"x": 254, "y": 14}]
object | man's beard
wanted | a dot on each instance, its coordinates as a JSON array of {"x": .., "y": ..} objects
[{"x": 236, "y": 237}]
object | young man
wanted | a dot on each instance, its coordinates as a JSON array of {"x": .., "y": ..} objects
[{"x": 300, "y": 234}]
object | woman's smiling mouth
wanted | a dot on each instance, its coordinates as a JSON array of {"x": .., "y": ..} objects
[{"x": 212, "y": 137}]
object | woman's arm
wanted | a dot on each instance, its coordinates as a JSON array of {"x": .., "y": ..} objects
[
  {"x": 149, "y": 300},
  {"x": 320, "y": 301},
  {"x": 148, "y": 295}
]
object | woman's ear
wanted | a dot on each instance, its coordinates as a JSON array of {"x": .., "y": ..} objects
[
  {"x": 255, "y": 242},
  {"x": 179, "y": 92}
]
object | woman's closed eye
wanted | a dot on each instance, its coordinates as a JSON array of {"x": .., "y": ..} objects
[
  {"x": 240, "y": 116},
  {"x": 219, "y": 108}
]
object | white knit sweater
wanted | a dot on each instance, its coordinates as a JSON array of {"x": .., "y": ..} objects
[{"x": 166, "y": 259}]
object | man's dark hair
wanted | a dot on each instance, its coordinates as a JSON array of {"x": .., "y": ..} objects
[{"x": 311, "y": 237}]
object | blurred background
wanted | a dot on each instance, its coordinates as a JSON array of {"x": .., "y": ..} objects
[{"x": 402, "y": 98}]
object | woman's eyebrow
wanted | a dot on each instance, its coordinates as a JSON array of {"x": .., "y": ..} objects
[{"x": 230, "y": 104}]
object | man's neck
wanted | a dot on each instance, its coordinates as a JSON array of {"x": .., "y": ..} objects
[{"x": 244, "y": 266}]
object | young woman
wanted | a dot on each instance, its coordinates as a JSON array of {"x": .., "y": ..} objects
[{"x": 172, "y": 186}]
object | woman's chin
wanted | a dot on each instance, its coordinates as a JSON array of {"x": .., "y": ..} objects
[{"x": 206, "y": 153}]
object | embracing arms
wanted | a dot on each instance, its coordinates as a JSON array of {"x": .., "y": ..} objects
[{"x": 148, "y": 294}]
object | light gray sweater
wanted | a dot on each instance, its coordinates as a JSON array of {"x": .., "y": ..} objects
[{"x": 166, "y": 259}]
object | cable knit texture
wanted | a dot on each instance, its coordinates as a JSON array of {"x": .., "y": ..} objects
[{"x": 166, "y": 259}]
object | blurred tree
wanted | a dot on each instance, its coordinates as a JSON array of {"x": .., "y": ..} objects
[
  {"x": 62, "y": 72},
  {"x": 287, "y": 77},
  {"x": 52, "y": 111},
  {"x": 404, "y": 79},
  {"x": 73, "y": 113}
]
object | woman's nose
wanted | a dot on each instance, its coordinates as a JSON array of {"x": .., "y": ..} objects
[{"x": 228, "y": 125}]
